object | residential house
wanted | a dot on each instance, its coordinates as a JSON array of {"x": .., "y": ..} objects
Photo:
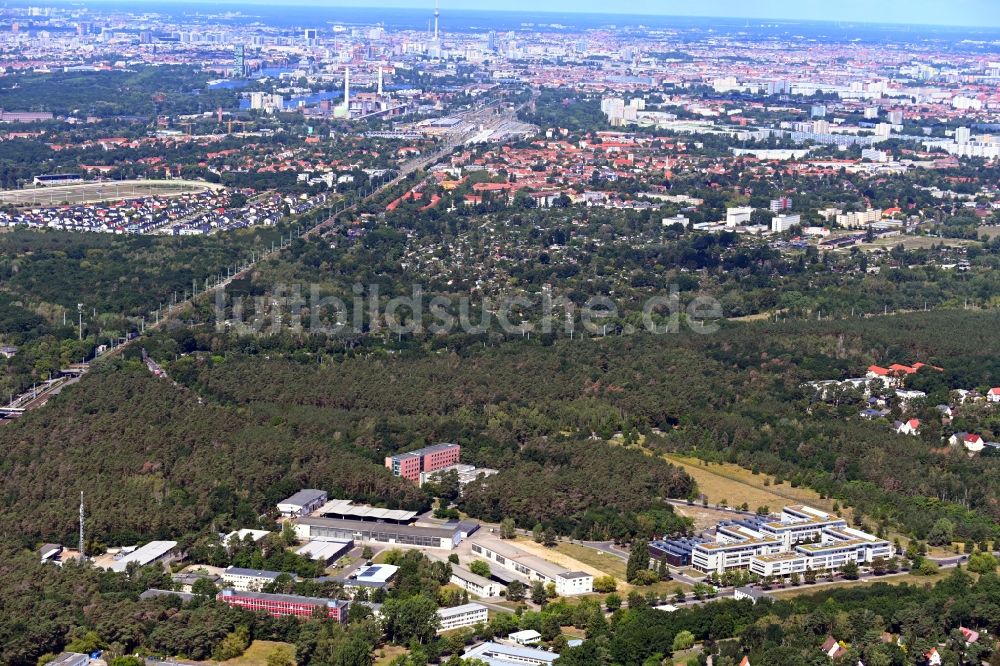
[
  {"x": 993, "y": 395},
  {"x": 970, "y": 635},
  {"x": 972, "y": 442},
  {"x": 933, "y": 657},
  {"x": 911, "y": 427},
  {"x": 833, "y": 648}
]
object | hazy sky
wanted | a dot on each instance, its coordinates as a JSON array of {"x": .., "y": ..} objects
[{"x": 935, "y": 12}]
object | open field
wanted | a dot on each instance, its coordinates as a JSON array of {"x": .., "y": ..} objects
[
  {"x": 609, "y": 564},
  {"x": 703, "y": 517},
  {"x": 736, "y": 485},
  {"x": 96, "y": 192},
  {"x": 581, "y": 558},
  {"x": 909, "y": 578},
  {"x": 257, "y": 653},
  {"x": 556, "y": 556},
  {"x": 385, "y": 654}
]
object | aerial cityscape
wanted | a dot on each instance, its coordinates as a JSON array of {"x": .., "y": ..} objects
[{"x": 503, "y": 334}]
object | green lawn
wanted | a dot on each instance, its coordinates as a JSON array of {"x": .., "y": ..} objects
[
  {"x": 910, "y": 578},
  {"x": 609, "y": 564},
  {"x": 257, "y": 654}
]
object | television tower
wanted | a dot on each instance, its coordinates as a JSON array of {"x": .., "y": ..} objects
[
  {"x": 347, "y": 91},
  {"x": 437, "y": 15},
  {"x": 82, "y": 556}
]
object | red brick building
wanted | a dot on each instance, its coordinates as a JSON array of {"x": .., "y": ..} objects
[
  {"x": 429, "y": 459},
  {"x": 278, "y": 605}
]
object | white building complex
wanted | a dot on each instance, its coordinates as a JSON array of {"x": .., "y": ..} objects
[
  {"x": 248, "y": 580},
  {"x": 801, "y": 538},
  {"x": 531, "y": 567},
  {"x": 303, "y": 502},
  {"x": 497, "y": 654},
  {"x": 152, "y": 552},
  {"x": 475, "y": 584},
  {"x": 466, "y": 615},
  {"x": 859, "y": 219}
]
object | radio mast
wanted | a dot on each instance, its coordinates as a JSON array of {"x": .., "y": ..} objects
[{"x": 83, "y": 557}]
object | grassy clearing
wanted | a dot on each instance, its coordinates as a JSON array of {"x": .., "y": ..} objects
[
  {"x": 257, "y": 653},
  {"x": 381, "y": 556},
  {"x": 609, "y": 564},
  {"x": 736, "y": 485},
  {"x": 556, "y": 556},
  {"x": 909, "y": 578},
  {"x": 666, "y": 588},
  {"x": 387, "y": 653},
  {"x": 703, "y": 517}
]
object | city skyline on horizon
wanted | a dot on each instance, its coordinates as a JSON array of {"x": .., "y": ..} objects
[{"x": 961, "y": 13}]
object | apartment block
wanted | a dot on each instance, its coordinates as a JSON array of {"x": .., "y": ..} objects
[
  {"x": 279, "y": 605},
  {"x": 466, "y": 615},
  {"x": 409, "y": 465}
]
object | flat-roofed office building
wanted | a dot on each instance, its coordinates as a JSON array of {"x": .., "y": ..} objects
[
  {"x": 333, "y": 529},
  {"x": 466, "y": 615},
  {"x": 532, "y": 567}
]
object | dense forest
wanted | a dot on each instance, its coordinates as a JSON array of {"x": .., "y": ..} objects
[
  {"x": 256, "y": 418},
  {"x": 736, "y": 395},
  {"x": 146, "y": 91},
  {"x": 117, "y": 280},
  {"x": 158, "y": 461}
]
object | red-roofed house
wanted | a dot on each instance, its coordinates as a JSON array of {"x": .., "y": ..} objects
[
  {"x": 911, "y": 427},
  {"x": 933, "y": 657},
  {"x": 832, "y": 648},
  {"x": 969, "y": 440},
  {"x": 970, "y": 635},
  {"x": 993, "y": 395},
  {"x": 895, "y": 372}
]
